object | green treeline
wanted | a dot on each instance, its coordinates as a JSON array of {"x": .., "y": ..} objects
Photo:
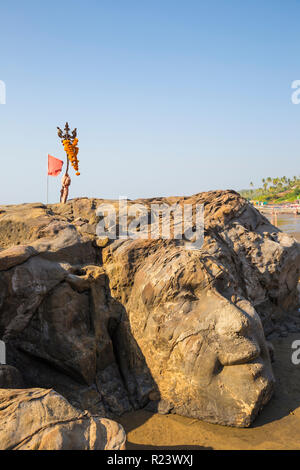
[{"x": 274, "y": 190}]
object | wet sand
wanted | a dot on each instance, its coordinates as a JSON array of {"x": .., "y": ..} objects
[
  {"x": 287, "y": 223},
  {"x": 277, "y": 426}
]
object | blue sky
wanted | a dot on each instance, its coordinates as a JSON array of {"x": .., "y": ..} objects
[{"x": 170, "y": 97}]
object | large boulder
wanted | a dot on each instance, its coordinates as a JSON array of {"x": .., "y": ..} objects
[
  {"x": 38, "y": 419},
  {"x": 116, "y": 325}
]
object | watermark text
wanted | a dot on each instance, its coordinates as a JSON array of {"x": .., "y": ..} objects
[
  {"x": 2, "y": 92},
  {"x": 152, "y": 222}
]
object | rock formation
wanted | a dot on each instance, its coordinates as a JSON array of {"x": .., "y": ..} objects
[
  {"x": 10, "y": 377},
  {"x": 116, "y": 325},
  {"x": 38, "y": 419}
]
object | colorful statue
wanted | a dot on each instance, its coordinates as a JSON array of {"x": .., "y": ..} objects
[{"x": 70, "y": 144}]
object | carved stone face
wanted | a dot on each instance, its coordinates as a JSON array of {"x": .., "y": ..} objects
[{"x": 206, "y": 353}]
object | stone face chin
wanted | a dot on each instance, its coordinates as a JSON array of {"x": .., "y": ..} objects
[{"x": 120, "y": 325}]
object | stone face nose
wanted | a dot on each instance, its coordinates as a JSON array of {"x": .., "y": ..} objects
[
  {"x": 232, "y": 321},
  {"x": 237, "y": 342}
]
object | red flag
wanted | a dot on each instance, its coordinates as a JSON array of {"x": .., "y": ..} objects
[{"x": 54, "y": 166}]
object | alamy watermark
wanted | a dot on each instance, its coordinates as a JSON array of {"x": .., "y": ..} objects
[
  {"x": 2, "y": 92},
  {"x": 158, "y": 221},
  {"x": 296, "y": 354},
  {"x": 295, "y": 97},
  {"x": 2, "y": 352}
]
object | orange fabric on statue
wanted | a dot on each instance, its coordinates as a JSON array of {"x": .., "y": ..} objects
[{"x": 54, "y": 166}]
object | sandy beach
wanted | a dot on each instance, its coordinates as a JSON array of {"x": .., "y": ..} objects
[{"x": 288, "y": 223}]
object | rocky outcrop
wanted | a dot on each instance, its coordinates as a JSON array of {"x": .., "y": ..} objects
[
  {"x": 38, "y": 419},
  {"x": 116, "y": 325}
]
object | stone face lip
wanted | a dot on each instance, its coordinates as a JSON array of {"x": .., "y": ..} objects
[
  {"x": 38, "y": 419},
  {"x": 120, "y": 325}
]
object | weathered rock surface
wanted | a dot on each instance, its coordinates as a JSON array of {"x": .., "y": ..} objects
[
  {"x": 38, "y": 419},
  {"x": 119, "y": 325},
  {"x": 10, "y": 377}
]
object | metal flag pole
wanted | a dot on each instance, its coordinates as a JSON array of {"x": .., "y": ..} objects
[
  {"x": 47, "y": 187},
  {"x": 47, "y": 178}
]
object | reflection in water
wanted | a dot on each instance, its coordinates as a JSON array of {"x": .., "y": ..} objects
[{"x": 289, "y": 223}]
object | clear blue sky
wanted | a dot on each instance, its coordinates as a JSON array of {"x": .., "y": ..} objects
[{"x": 169, "y": 96}]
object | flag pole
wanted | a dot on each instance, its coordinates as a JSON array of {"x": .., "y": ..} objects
[{"x": 47, "y": 177}]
